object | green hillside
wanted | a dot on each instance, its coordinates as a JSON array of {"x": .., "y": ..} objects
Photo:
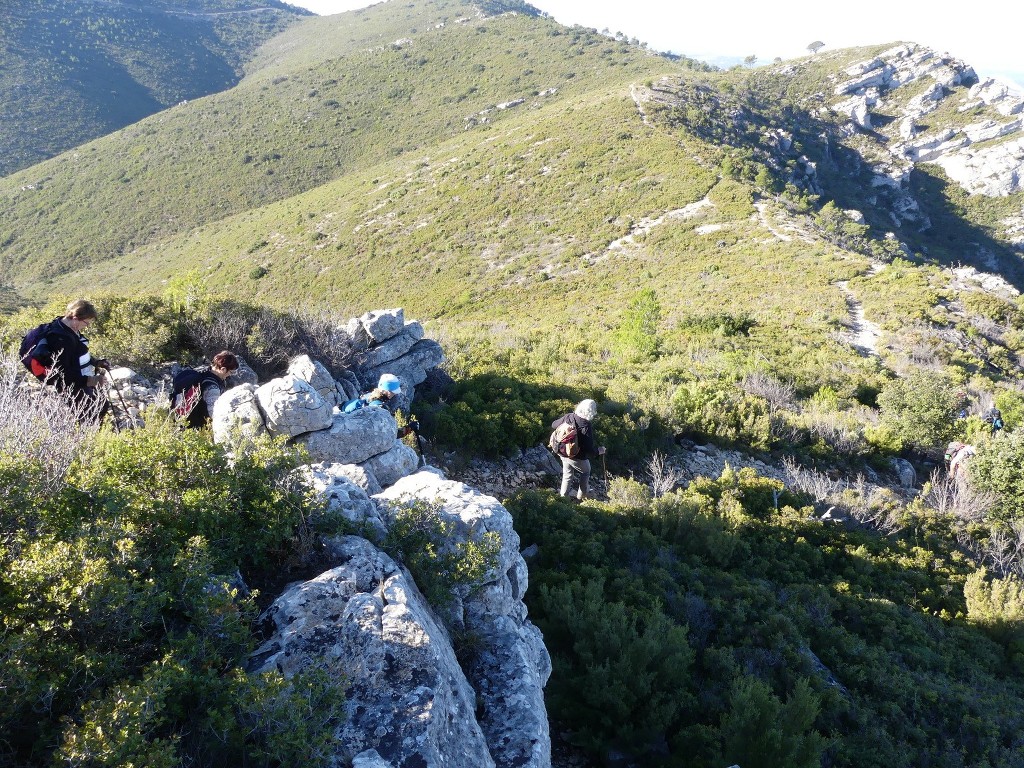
[
  {"x": 704, "y": 252},
  {"x": 73, "y": 70}
]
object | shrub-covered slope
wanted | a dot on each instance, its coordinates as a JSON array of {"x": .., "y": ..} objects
[{"x": 72, "y": 70}]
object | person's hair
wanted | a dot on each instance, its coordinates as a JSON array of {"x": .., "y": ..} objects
[
  {"x": 80, "y": 309},
  {"x": 226, "y": 360},
  {"x": 587, "y": 409}
]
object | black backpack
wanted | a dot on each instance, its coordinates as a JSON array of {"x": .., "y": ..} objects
[
  {"x": 28, "y": 346},
  {"x": 187, "y": 393}
]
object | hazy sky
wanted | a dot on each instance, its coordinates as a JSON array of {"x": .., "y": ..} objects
[{"x": 986, "y": 33}]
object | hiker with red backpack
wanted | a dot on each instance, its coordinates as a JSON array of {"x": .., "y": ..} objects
[
  {"x": 195, "y": 390},
  {"x": 57, "y": 353},
  {"x": 572, "y": 440}
]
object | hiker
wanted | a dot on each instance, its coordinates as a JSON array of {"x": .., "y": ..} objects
[
  {"x": 384, "y": 395},
  {"x": 957, "y": 454},
  {"x": 195, "y": 390},
  {"x": 61, "y": 357},
  {"x": 580, "y": 447},
  {"x": 994, "y": 419}
]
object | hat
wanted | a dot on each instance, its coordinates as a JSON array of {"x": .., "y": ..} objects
[{"x": 390, "y": 383}]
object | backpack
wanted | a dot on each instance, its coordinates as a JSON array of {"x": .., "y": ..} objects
[
  {"x": 28, "y": 346},
  {"x": 186, "y": 391},
  {"x": 565, "y": 441}
]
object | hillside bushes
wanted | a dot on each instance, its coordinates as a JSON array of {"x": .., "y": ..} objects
[
  {"x": 126, "y": 615},
  {"x": 144, "y": 332},
  {"x": 805, "y": 643}
]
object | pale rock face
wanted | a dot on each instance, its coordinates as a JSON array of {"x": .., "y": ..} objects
[
  {"x": 352, "y": 438},
  {"x": 392, "y": 465},
  {"x": 411, "y": 368},
  {"x": 332, "y": 482},
  {"x": 317, "y": 376},
  {"x": 358, "y": 475},
  {"x": 236, "y": 415},
  {"x": 407, "y": 698},
  {"x": 380, "y": 325},
  {"x": 292, "y": 407},
  {"x": 996, "y": 170},
  {"x": 393, "y": 348},
  {"x": 513, "y": 665}
]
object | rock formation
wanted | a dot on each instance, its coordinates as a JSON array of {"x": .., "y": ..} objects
[
  {"x": 409, "y": 701},
  {"x": 448, "y": 686}
]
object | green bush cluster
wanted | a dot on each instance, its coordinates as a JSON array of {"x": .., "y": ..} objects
[
  {"x": 422, "y": 537},
  {"x": 126, "y": 622},
  {"x": 187, "y": 324},
  {"x": 782, "y": 640}
]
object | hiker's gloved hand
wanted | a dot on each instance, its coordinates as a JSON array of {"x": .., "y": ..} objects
[
  {"x": 601, "y": 451},
  {"x": 94, "y": 381}
]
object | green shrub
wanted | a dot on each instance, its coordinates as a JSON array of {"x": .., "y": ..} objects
[
  {"x": 422, "y": 537},
  {"x": 761, "y": 732},
  {"x": 621, "y": 669},
  {"x": 920, "y": 409},
  {"x": 716, "y": 412},
  {"x": 118, "y": 613}
]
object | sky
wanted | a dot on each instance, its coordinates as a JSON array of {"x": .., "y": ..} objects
[{"x": 985, "y": 33}]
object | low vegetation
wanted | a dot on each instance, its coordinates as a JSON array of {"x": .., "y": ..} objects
[{"x": 128, "y": 562}]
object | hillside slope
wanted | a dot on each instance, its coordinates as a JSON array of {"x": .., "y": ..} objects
[{"x": 71, "y": 71}]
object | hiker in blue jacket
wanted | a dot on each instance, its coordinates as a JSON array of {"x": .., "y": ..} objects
[
  {"x": 63, "y": 354},
  {"x": 578, "y": 465}
]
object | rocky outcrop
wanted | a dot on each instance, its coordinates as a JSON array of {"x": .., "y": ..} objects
[
  {"x": 995, "y": 169},
  {"x": 409, "y": 701}
]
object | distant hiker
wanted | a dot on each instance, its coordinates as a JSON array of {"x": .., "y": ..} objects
[
  {"x": 60, "y": 356},
  {"x": 195, "y": 390},
  {"x": 957, "y": 454},
  {"x": 572, "y": 440},
  {"x": 994, "y": 419},
  {"x": 385, "y": 395}
]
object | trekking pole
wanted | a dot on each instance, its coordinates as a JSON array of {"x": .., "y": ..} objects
[{"x": 604, "y": 466}]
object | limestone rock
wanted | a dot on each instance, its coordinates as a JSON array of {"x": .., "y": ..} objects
[
  {"x": 393, "y": 348},
  {"x": 395, "y": 463},
  {"x": 292, "y": 407},
  {"x": 331, "y": 481},
  {"x": 513, "y": 665},
  {"x": 379, "y": 325},
  {"x": 353, "y": 437},
  {"x": 313, "y": 373},
  {"x": 236, "y": 415},
  {"x": 407, "y": 698},
  {"x": 411, "y": 368}
]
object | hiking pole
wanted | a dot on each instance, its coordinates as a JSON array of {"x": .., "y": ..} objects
[{"x": 604, "y": 466}]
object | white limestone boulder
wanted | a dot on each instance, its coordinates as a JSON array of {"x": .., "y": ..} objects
[
  {"x": 317, "y": 376},
  {"x": 237, "y": 416},
  {"x": 512, "y": 664},
  {"x": 333, "y": 484},
  {"x": 352, "y": 438},
  {"x": 392, "y": 465},
  {"x": 407, "y": 699},
  {"x": 292, "y": 407}
]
